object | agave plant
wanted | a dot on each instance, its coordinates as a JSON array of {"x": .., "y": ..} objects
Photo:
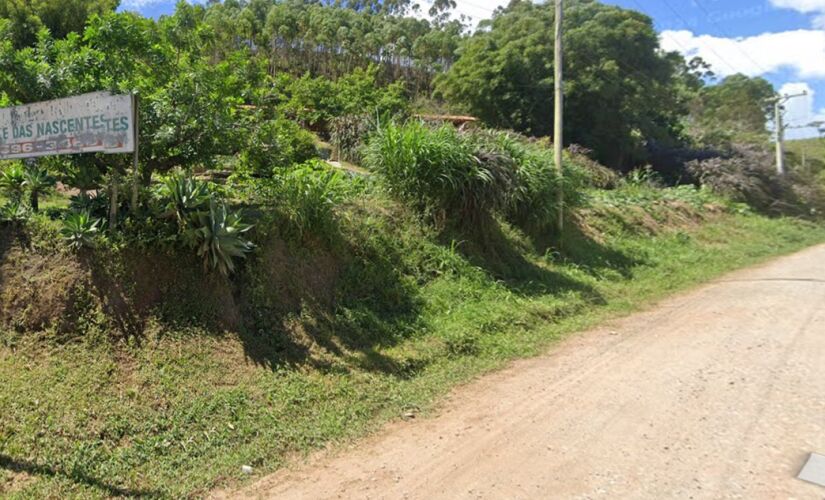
[
  {"x": 219, "y": 238},
  {"x": 36, "y": 181},
  {"x": 93, "y": 203},
  {"x": 185, "y": 197},
  {"x": 79, "y": 230},
  {"x": 84, "y": 177},
  {"x": 11, "y": 181},
  {"x": 13, "y": 212}
]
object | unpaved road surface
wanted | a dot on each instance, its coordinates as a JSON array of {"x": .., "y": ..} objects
[{"x": 718, "y": 393}]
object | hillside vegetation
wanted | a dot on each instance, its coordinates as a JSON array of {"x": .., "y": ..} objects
[
  {"x": 812, "y": 150},
  {"x": 129, "y": 372},
  {"x": 301, "y": 256}
]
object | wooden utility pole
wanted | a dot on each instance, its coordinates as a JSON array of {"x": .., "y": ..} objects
[
  {"x": 559, "y": 119},
  {"x": 778, "y": 101}
]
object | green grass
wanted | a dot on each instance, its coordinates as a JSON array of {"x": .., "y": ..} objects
[{"x": 178, "y": 414}]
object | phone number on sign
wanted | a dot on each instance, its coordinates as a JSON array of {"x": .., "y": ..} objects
[{"x": 69, "y": 144}]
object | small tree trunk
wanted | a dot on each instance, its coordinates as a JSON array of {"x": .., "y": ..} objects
[
  {"x": 33, "y": 200},
  {"x": 113, "y": 201}
]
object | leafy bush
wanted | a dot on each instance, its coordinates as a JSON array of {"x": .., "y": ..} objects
[
  {"x": 315, "y": 102},
  {"x": 83, "y": 176},
  {"x": 80, "y": 229},
  {"x": 598, "y": 175},
  {"x": 17, "y": 181},
  {"x": 277, "y": 143},
  {"x": 643, "y": 176},
  {"x": 96, "y": 204},
  {"x": 747, "y": 174},
  {"x": 11, "y": 181},
  {"x": 219, "y": 237},
  {"x": 533, "y": 203},
  {"x": 348, "y": 135},
  {"x": 13, "y": 212}
]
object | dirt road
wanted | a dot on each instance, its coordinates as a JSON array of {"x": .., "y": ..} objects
[{"x": 718, "y": 393}]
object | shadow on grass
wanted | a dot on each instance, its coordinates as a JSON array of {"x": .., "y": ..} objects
[
  {"x": 18, "y": 465},
  {"x": 593, "y": 255},
  {"x": 376, "y": 302},
  {"x": 319, "y": 302},
  {"x": 487, "y": 246}
]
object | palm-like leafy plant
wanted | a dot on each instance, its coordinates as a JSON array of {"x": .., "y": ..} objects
[
  {"x": 11, "y": 181},
  {"x": 79, "y": 230},
  {"x": 36, "y": 181},
  {"x": 219, "y": 238}
]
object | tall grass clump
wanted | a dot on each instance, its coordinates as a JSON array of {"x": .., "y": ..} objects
[
  {"x": 438, "y": 172},
  {"x": 469, "y": 177},
  {"x": 533, "y": 201},
  {"x": 309, "y": 194}
]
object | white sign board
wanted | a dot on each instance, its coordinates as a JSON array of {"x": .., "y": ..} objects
[{"x": 95, "y": 122}]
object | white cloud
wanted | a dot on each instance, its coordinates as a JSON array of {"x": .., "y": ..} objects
[
  {"x": 802, "y": 51},
  {"x": 137, "y": 4},
  {"x": 800, "y": 5},
  {"x": 816, "y": 7}
]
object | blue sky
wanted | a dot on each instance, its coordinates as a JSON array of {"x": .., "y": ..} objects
[{"x": 781, "y": 40}]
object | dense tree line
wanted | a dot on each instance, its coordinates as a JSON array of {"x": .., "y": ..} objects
[{"x": 193, "y": 69}]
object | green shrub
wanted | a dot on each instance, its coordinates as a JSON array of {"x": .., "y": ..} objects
[
  {"x": 203, "y": 221},
  {"x": 315, "y": 102},
  {"x": 277, "y": 144},
  {"x": 13, "y": 212},
  {"x": 12, "y": 178},
  {"x": 219, "y": 237},
  {"x": 533, "y": 202},
  {"x": 348, "y": 135},
  {"x": 80, "y": 229},
  {"x": 95, "y": 204},
  {"x": 81, "y": 175},
  {"x": 598, "y": 175},
  {"x": 643, "y": 177}
]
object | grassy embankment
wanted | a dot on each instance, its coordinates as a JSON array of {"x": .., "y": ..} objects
[
  {"x": 176, "y": 411},
  {"x": 813, "y": 152}
]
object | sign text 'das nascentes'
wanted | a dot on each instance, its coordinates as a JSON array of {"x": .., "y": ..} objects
[{"x": 88, "y": 123}]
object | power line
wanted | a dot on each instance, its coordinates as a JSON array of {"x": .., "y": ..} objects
[
  {"x": 724, "y": 32},
  {"x": 675, "y": 40},
  {"x": 687, "y": 25}
]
